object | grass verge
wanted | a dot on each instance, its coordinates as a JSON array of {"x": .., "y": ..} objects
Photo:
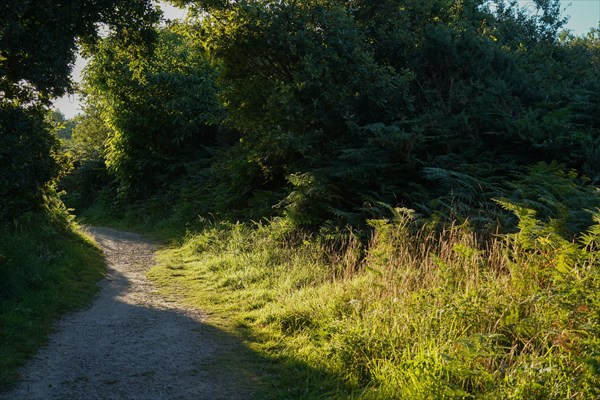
[
  {"x": 47, "y": 268},
  {"x": 416, "y": 314}
]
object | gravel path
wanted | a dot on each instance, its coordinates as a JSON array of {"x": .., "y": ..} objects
[{"x": 131, "y": 343}]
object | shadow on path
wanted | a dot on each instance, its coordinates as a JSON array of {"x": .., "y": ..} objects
[{"x": 133, "y": 344}]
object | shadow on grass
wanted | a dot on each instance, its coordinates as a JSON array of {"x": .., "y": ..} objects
[
  {"x": 41, "y": 278},
  {"x": 121, "y": 349}
]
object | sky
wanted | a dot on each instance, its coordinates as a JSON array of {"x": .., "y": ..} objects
[{"x": 584, "y": 14}]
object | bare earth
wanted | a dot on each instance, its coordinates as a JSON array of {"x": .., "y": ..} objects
[{"x": 131, "y": 343}]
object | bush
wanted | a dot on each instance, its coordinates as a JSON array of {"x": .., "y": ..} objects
[{"x": 29, "y": 160}]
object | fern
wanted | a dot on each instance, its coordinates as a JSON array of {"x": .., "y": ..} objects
[
  {"x": 591, "y": 237},
  {"x": 530, "y": 228},
  {"x": 565, "y": 197},
  {"x": 457, "y": 184}
]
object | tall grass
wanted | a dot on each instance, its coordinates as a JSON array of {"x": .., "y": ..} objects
[
  {"x": 416, "y": 313},
  {"x": 47, "y": 268}
]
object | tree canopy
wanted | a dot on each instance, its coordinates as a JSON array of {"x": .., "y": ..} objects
[
  {"x": 328, "y": 111},
  {"x": 38, "y": 40}
]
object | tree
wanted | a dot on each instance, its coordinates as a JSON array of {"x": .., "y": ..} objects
[
  {"x": 29, "y": 158},
  {"x": 159, "y": 116},
  {"x": 37, "y": 46},
  {"x": 88, "y": 140},
  {"x": 63, "y": 126},
  {"x": 347, "y": 105},
  {"x": 86, "y": 150},
  {"x": 38, "y": 40},
  {"x": 301, "y": 83}
]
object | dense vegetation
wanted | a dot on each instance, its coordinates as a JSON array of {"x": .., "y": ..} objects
[
  {"x": 421, "y": 314},
  {"x": 426, "y": 174},
  {"x": 333, "y": 112},
  {"x": 47, "y": 266}
]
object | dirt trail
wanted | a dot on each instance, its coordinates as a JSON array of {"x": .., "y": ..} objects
[{"x": 131, "y": 343}]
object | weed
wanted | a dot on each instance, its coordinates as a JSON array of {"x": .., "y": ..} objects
[
  {"x": 425, "y": 314},
  {"x": 47, "y": 269}
]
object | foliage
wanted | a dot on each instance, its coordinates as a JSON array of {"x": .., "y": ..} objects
[
  {"x": 333, "y": 112},
  {"x": 89, "y": 136},
  {"x": 158, "y": 116},
  {"x": 29, "y": 159},
  {"x": 563, "y": 198},
  {"x": 85, "y": 148},
  {"x": 48, "y": 267},
  {"x": 38, "y": 40},
  {"x": 303, "y": 121},
  {"x": 426, "y": 314},
  {"x": 347, "y": 107},
  {"x": 64, "y": 127},
  {"x": 37, "y": 50}
]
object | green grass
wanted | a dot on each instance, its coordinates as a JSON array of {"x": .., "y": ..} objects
[
  {"x": 416, "y": 314},
  {"x": 47, "y": 268}
]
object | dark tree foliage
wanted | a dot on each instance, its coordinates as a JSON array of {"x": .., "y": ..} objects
[
  {"x": 28, "y": 158},
  {"x": 346, "y": 109},
  {"x": 351, "y": 105},
  {"x": 37, "y": 49},
  {"x": 317, "y": 110},
  {"x": 38, "y": 39}
]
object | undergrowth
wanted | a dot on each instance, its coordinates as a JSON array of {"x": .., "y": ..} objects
[
  {"x": 47, "y": 267},
  {"x": 417, "y": 313},
  {"x": 156, "y": 216}
]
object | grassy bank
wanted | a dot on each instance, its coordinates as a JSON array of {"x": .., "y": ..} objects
[
  {"x": 416, "y": 314},
  {"x": 47, "y": 268}
]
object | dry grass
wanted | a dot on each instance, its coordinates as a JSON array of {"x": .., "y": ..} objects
[{"x": 415, "y": 314}]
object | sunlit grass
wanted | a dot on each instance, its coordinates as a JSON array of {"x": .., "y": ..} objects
[{"x": 424, "y": 314}]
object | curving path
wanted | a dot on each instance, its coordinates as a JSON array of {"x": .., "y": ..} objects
[{"x": 130, "y": 343}]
